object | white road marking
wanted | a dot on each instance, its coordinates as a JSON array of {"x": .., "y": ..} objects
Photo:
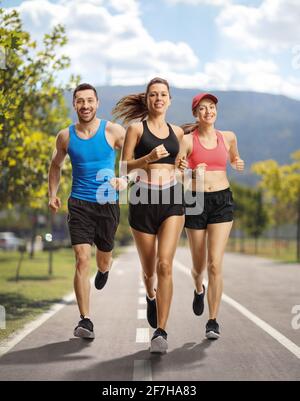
[
  {"x": 284, "y": 341},
  {"x": 142, "y": 314},
  {"x": 142, "y": 335},
  {"x": 142, "y": 301},
  {"x": 142, "y": 370},
  {"x": 30, "y": 327},
  {"x": 15, "y": 338}
]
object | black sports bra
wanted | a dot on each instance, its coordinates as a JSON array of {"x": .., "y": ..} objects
[{"x": 149, "y": 141}]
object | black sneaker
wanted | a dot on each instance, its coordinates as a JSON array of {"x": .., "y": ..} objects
[
  {"x": 85, "y": 329},
  {"x": 100, "y": 279},
  {"x": 151, "y": 312},
  {"x": 198, "y": 303},
  {"x": 159, "y": 343},
  {"x": 212, "y": 329}
]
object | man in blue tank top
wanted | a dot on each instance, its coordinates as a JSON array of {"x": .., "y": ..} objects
[{"x": 93, "y": 205}]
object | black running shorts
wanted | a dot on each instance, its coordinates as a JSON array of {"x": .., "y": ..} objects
[
  {"x": 217, "y": 207},
  {"x": 155, "y": 206},
  {"x": 91, "y": 222}
]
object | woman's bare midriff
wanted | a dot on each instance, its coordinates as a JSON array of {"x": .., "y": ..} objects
[
  {"x": 158, "y": 174},
  {"x": 211, "y": 181}
]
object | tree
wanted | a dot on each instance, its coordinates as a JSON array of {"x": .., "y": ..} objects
[
  {"x": 32, "y": 110},
  {"x": 251, "y": 214},
  {"x": 281, "y": 186}
]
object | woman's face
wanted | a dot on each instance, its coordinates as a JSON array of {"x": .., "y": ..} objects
[
  {"x": 206, "y": 111},
  {"x": 158, "y": 98}
]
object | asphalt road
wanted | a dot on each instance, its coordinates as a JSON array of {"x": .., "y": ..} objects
[{"x": 258, "y": 340}]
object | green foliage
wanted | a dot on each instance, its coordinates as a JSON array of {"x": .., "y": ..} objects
[
  {"x": 281, "y": 187},
  {"x": 32, "y": 111},
  {"x": 251, "y": 213}
]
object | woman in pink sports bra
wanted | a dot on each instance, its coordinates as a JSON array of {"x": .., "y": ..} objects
[{"x": 209, "y": 216}]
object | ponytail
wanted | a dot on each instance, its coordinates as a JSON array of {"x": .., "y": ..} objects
[
  {"x": 189, "y": 127},
  {"x": 131, "y": 107}
]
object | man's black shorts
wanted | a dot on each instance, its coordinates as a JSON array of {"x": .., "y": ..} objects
[
  {"x": 217, "y": 207},
  {"x": 93, "y": 222}
]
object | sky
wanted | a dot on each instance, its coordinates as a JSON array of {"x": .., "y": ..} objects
[{"x": 206, "y": 44}]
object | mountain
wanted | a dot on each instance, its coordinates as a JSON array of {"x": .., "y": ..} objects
[{"x": 267, "y": 126}]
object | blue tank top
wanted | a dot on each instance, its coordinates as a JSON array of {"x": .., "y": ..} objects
[{"x": 93, "y": 165}]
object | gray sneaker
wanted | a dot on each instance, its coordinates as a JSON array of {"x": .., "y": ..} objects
[
  {"x": 159, "y": 343},
  {"x": 85, "y": 329},
  {"x": 212, "y": 329}
]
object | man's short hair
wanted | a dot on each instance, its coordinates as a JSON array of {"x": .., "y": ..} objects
[{"x": 83, "y": 87}]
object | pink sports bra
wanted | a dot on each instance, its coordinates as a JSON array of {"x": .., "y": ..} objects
[{"x": 216, "y": 158}]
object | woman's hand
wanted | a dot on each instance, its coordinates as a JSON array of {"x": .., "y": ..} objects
[
  {"x": 157, "y": 153},
  {"x": 239, "y": 164},
  {"x": 182, "y": 163}
]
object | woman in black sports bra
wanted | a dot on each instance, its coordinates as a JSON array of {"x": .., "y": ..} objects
[{"x": 156, "y": 211}]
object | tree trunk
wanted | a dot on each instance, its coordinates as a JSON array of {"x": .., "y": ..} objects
[
  {"x": 256, "y": 245},
  {"x": 33, "y": 235},
  {"x": 22, "y": 252}
]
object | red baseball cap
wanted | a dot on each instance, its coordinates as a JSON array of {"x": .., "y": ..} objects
[{"x": 197, "y": 99}]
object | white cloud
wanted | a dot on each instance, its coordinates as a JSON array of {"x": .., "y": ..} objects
[
  {"x": 273, "y": 26},
  {"x": 259, "y": 76},
  {"x": 109, "y": 44},
  {"x": 200, "y": 2},
  {"x": 106, "y": 35}
]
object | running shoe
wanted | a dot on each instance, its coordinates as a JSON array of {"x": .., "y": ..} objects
[
  {"x": 85, "y": 329},
  {"x": 159, "y": 343},
  {"x": 151, "y": 312},
  {"x": 100, "y": 279},
  {"x": 198, "y": 302},
  {"x": 212, "y": 329}
]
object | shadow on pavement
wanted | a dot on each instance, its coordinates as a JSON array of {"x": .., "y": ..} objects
[
  {"x": 188, "y": 357},
  {"x": 54, "y": 352}
]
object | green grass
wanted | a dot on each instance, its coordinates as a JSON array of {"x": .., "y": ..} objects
[
  {"x": 35, "y": 291},
  {"x": 281, "y": 250}
]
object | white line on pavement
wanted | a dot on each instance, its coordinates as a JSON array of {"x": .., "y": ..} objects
[
  {"x": 141, "y": 314},
  {"x": 30, "y": 327},
  {"x": 13, "y": 340},
  {"x": 142, "y": 335},
  {"x": 142, "y": 301},
  {"x": 284, "y": 341},
  {"x": 142, "y": 370}
]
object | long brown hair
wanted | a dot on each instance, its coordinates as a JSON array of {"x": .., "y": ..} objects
[
  {"x": 134, "y": 107},
  {"x": 189, "y": 127}
]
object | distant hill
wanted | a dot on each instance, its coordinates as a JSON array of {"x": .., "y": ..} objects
[{"x": 267, "y": 126}]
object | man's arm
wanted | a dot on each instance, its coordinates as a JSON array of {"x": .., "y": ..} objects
[
  {"x": 56, "y": 164},
  {"x": 117, "y": 134}
]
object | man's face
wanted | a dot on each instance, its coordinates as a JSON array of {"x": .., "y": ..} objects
[{"x": 86, "y": 105}]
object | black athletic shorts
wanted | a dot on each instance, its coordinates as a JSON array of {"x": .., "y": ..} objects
[
  {"x": 156, "y": 204},
  {"x": 93, "y": 222},
  {"x": 217, "y": 207}
]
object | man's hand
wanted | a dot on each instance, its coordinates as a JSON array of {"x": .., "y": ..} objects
[
  {"x": 119, "y": 183},
  {"x": 54, "y": 204}
]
